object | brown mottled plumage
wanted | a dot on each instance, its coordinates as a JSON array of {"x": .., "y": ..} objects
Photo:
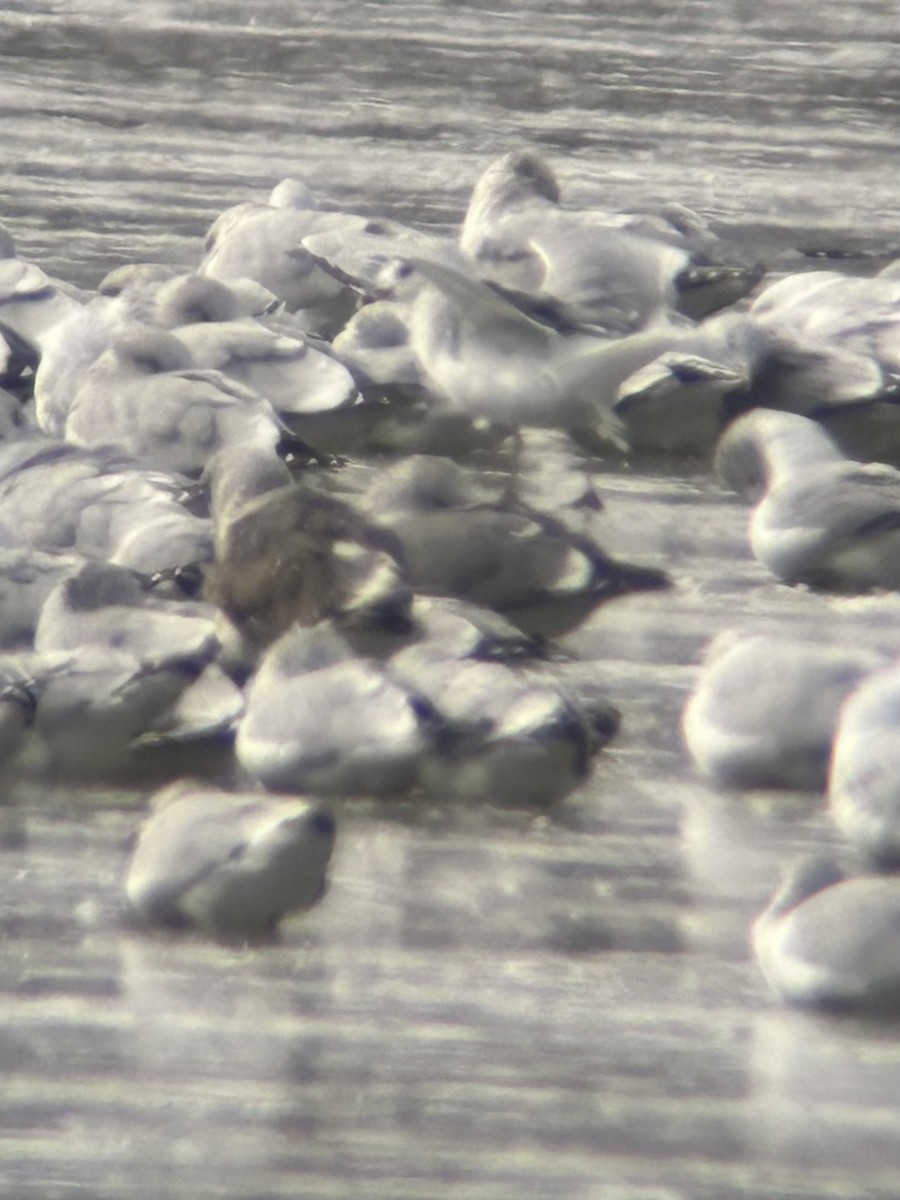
[{"x": 285, "y": 553}]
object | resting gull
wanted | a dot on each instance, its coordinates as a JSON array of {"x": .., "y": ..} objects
[
  {"x": 523, "y": 563},
  {"x": 228, "y": 864},
  {"x": 287, "y": 553},
  {"x": 763, "y": 710},
  {"x": 264, "y": 242},
  {"x": 31, "y": 303},
  {"x": 832, "y": 942},
  {"x": 92, "y": 704},
  {"x": 522, "y": 738},
  {"x": 58, "y": 497},
  {"x": 106, "y": 605},
  {"x": 615, "y": 272},
  {"x": 145, "y": 397},
  {"x": 320, "y": 718},
  {"x": 820, "y": 519},
  {"x": 864, "y": 785}
]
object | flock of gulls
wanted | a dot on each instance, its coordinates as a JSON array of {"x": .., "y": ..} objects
[{"x": 259, "y": 505}]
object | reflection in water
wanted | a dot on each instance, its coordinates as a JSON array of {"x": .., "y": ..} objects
[
  {"x": 825, "y": 1089},
  {"x": 217, "y": 1041}
]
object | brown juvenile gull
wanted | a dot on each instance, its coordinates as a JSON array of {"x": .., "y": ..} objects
[{"x": 286, "y": 553}]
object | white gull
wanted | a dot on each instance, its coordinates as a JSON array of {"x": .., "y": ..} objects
[
  {"x": 482, "y": 355},
  {"x": 228, "y": 864},
  {"x": 264, "y": 242},
  {"x": 57, "y": 497},
  {"x": 864, "y": 784},
  {"x": 145, "y": 397},
  {"x": 830, "y": 941},
  {"x": 319, "y": 718},
  {"x": 764, "y": 707},
  {"x": 618, "y": 273},
  {"x": 821, "y": 519}
]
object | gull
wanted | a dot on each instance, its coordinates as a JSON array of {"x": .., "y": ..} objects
[
  {"x": 832, "y": 942},
  {"x": 91, "y": 705},
  {"x": 109, "y": 607},
  {"x": 212, "y": 319},
  {"x": 508, "y": 557},
  {"x": 298, "y": 380},
  {"x": 170, "y": 301},
  {"x": 264, "y": 242},
  {"x": 67, "y": 352},
  {"x": 613, "y": 272},
  {"x": 856, "y": 316},
  {"x": 228, "y": 864},
  {"x": 680, "y": 402},
  {"x": 314, "y": 393},
  {"x": 144, "y": 397},
  {"x": 319, "y": 718},
  {"x": 481, "y": 355},
  {"x": 835, "y": 356},
  {"x": 31, "y": 303},
  {"x": 820, "y": 519},
  {"x": 374, "y": 345},
  {"x": 27, "y": 577},
  {"x": 17, "y": 709},
  {"x": 864, "y": 784},
  {"x": 764, "y": 708},
  {"x": 58, "y": 497},
  {"x": 158, "y": 294},
  {"x": 286, "y": 553},
  {"x": 522, "y": 739},
  {"x": 356, "y": 249},
  {"x": 106, "y": 605}
]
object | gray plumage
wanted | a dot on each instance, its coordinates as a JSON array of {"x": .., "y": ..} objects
[
  {"x": 864, "y": 784},
  {"x": 820, "y": 519},
  {"x": 228, "y": 864},
  {"x": 832, "y": 942},
  {"x": 764, "y": 707}
]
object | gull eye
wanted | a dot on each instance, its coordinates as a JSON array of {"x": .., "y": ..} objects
[{"x": 323, "y": 824}]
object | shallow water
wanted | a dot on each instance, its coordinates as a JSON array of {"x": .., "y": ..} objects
[
  {"x": 486, "y": 1004},
  {"x": 125, "y": 138}
]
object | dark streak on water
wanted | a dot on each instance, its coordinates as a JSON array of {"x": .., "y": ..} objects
[{"x": 486, "y": 1004}]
